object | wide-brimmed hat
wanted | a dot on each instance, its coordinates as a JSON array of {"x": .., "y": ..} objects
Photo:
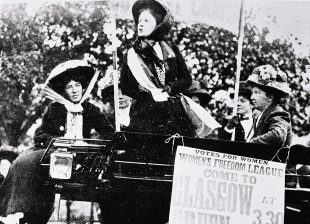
[
  {"x": 196, "y": 90},
  {"x": 161, "y": 8},
  {"x": 71, "y": 69},
  {"x": 270, "y": 79}
]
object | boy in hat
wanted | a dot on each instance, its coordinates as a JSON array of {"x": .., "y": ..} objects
[{"x": 68, "y": 116}]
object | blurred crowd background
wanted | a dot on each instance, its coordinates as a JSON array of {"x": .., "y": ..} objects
[{"x": 32, "y": 42}]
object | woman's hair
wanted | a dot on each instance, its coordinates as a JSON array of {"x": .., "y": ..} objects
[
  {"x": 158, "y": 17},
  {"x": 80, "y": 79}
]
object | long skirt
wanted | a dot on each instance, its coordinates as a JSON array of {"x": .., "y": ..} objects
[
  {"x": 165, "y": 118},
  {"x": 23, "y": 189}
]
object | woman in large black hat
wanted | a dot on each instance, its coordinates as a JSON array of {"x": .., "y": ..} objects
[
  {"x": 153, "y": 72},
  {"x": 68, "y": 116}
]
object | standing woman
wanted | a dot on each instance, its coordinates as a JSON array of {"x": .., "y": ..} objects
[
  {"x": 68, "y": 116},
  {"x": 153, "y": 72}
]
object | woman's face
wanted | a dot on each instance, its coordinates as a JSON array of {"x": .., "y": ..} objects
[
  {"x": 244, "y": 105},
  {"x": 260, "y": 99},
  {"x": 146, "y": 24},
  {"x": 74, "y": 91}
]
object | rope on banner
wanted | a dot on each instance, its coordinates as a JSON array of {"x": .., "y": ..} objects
[
  {"x": 277, "y": 155},
  {"x": 173, "y": 137}
]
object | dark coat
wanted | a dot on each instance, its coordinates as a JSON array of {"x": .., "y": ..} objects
[
  {"x": 149, "y": 116},
  {"x": 54, "y": 123},
  {"x": 274, "y": 128},
  {"x": 22, "y": 189}
]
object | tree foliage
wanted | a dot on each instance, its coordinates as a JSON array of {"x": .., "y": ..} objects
[{"x": 31, "y": 45}]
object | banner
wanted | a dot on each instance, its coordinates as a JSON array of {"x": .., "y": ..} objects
[
  {"x": 223, "y": 14},
  {"x": 218, "y": 188},
  {"x": 219, "y": 13}
]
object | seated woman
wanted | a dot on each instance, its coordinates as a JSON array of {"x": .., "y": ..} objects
[
  {"x": 69, "y": 116},
  {"x": 273, "y": 125}
]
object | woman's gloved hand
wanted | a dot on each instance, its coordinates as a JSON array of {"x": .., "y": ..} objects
[{"x": 233, "y": 122}]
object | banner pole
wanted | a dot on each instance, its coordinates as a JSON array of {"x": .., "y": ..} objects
[
  {"x": 115, "y": 71},
  {"x": 239, "y": 57}
]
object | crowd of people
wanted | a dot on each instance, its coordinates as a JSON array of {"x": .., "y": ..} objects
[{"x": 153, "y": 78}]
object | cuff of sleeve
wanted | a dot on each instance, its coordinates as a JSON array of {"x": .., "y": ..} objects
[{"x": 228, "y": 130}]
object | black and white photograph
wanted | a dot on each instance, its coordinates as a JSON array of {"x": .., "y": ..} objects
[{"x": 154, "y": 111}]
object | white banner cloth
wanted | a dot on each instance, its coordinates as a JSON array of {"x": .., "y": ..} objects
[{"x": 212, "y": 188}]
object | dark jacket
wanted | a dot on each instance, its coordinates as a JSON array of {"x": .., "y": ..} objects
[
  {"x": 22, "y": 189},
  {"x": 54, "y": 123},
  {"x": 274, "y": 128},
  {"x": 148, "y": 116},
  {"x": 178, "y": 76}
]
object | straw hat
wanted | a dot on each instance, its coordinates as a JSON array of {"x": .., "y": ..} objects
[{"x": 270, "y": 79}]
